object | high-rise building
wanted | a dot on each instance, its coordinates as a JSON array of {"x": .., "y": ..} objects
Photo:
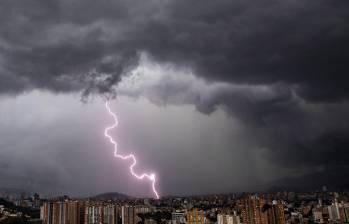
[
  {"x": 56, "y": 210},
  {"x": 68, "y": 212},
  {"x": 275, "y": 213},
  {"x": 221, "y": 219},
  {"x": 46, "y": 213},
  {"x": 36, "y": 200},
  {"x": 255, "y": 210},
  {"x": 228, "y": 219},
  {"x": 251, "y": 210},
  {"x": 178, "y": 217},
  {"x": 99, "y": 213},
  {"x": 110, "y": 214},
  {"x": 93, "y": 214},
  {"x": 333, "y": 213},
  {"x": 344, "y": 213},
  {"x": 196, "y": 217},
  {"x": 338, "y": 212},
  {"x": 129, "y": 214},
  {"x": 317, "y": 215},
  {"x": 72, "y": 212}
]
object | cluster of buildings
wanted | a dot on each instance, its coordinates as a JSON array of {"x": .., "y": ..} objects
[
  {"x": 23, "y": 207},
  {"x": 6, "y": 213},
  {"x": 22, "y": 199},
  {"x": 334, "y": 213},
  {"x": 282, "y": 207},
  {"x": 259, "y": 211},
  {"x": 251, "y": 209},
  {"x": 89, "y": 212}
]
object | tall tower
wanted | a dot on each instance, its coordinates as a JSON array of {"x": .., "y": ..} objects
[
  {"x": 128, "y": 215},
  {"x": 196, "y": 217},
  {"x": 275, "y": 213},
  {"x": 251, "y": 210}
]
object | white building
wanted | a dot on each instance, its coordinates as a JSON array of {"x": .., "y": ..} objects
[
  {"x": 333, "y": 212},
  {"x": 228, "y": 219},
  {"x": 178, "y": 217}
]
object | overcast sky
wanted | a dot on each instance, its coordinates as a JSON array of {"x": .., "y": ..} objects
[{"x": 213, "y": 96}]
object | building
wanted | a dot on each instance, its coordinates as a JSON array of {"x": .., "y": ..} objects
[
  {"x": 333, "y": 213},
  {"x": 178, "y": 217},
  {"x": 196, "y": 217},
  {"x": 36, "y": 201},
  {"x": 75, "y": 212},
  {"x": 275, "y": 213},
  {"x": 317, "y": 214},
  {"x": 228, "y": 219},
  {"x": 251, "y": 210},
  {"x": 94, "y": 214},
  {"x": 344, "y": 213},
  {"x": 99, "y": 213},
  {"x": 110, "y": 214},
  {"x": 67, "y": 212},
  {"x": 129, "y": 214},
  {"x": 255, "y": 210}
]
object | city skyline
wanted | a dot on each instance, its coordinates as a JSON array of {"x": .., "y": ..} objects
[{"x": 277, "y": 207}]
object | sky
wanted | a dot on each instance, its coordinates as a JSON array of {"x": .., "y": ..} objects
[{"x": 213, "y": 96}]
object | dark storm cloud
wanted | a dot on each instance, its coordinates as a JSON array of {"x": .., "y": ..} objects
[
  {"x": 291, "y": 131},
  {"x": 45, "y": 46},
  {"x": 281, "y": 65},
  {"x": 296, "y": 42}
]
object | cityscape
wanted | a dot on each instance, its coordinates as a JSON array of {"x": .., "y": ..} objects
[{"x": 320, "y": 206}]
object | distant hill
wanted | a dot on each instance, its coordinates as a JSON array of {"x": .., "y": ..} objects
[{"x": 111, "y": 196}]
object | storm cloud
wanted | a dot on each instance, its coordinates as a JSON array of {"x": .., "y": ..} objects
[
  {"x": 278, "y": 67},
  {"x": 58, "y": 44}
]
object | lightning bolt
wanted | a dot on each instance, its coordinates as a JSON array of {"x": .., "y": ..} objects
[{"x": 151, "y": 177}]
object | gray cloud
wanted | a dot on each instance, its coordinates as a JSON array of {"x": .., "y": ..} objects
[
  {"x": 57, "y": 44},
  {"x": 58, "y": 146},
  {"x": 290, "y": 131},
  {"x": 279, "y": 67}
]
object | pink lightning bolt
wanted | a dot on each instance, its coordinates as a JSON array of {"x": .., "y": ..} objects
[{"x": 151, "y": 176}]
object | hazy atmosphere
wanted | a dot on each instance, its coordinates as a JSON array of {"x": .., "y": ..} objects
[{"x": 212, "y": 96}]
